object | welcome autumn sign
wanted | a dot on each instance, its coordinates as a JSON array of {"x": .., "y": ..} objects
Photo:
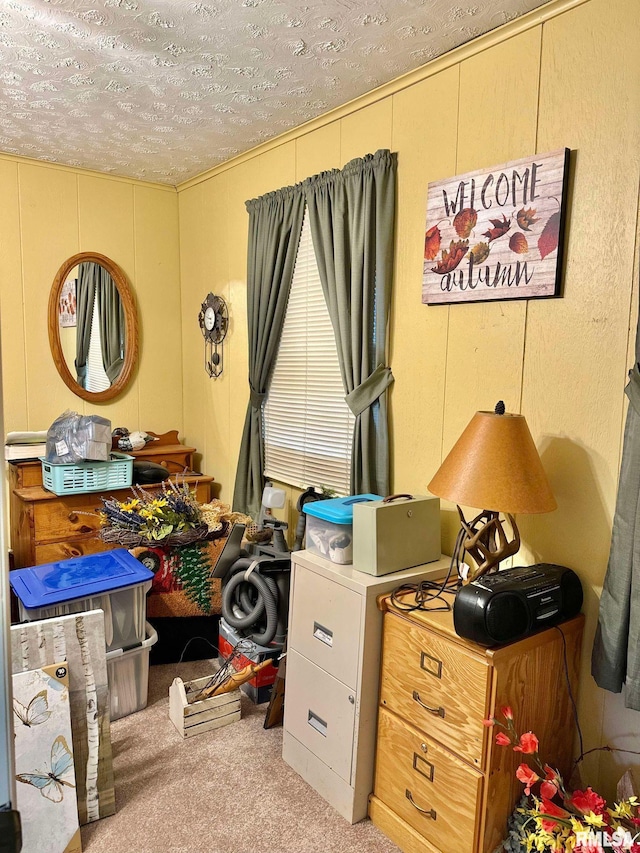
[{"x": 496, "y": 234}]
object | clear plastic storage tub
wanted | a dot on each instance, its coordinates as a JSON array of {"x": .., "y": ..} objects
[
  {"x": 112, "y": 581},
  {"x": 128, "y": 676},
  {"x": 329, "y": 530}
]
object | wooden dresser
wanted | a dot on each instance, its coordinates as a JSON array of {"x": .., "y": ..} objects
[
  {"x": 166, "y": 451},
  {"x": 47, "y": 527},
  {"x": 441, "y": 782}
]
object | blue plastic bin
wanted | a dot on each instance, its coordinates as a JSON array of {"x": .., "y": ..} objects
[
  {"x": 329, "y": 530},
  {"x": 112, "y": 581}
]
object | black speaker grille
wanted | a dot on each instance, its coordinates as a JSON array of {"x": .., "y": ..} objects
[
  {"x": 507, "y": 617},
  {"x": 571, "y": 590}
]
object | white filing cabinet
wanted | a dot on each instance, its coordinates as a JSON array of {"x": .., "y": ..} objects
[{"x": 333, "y": 669}]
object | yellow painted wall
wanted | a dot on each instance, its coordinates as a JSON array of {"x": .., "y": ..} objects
[
  {"x": 564, "y": 76},
  {"x": 49, "y": 213}
]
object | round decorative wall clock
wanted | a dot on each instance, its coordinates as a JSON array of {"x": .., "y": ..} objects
[{"x": 214, "y": 323}]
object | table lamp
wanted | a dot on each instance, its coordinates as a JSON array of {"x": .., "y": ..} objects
[{"x": 494, "y": 465}]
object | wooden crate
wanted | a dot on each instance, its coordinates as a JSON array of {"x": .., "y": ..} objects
[{"x": 204, "y": 715}]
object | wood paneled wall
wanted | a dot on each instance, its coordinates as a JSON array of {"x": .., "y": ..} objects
[
  {"x": 49, "y": 213},
  {"x": 566, "y": 75}
]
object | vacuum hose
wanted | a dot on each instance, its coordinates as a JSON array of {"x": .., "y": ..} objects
[{"x": 238, "y": 608}]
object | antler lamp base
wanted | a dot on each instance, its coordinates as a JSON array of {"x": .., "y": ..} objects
[{"x": 486, "y": 541}]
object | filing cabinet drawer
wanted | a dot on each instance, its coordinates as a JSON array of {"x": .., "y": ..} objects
[
  {"x": 428, "y": 787},
  {"x": 325, "y": 624},
  {"x": 437, "y": 685},
  {"x": 320, "y": 713}
]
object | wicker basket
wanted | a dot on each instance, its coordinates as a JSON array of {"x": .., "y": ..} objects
[{"x": 130, "y": 539}]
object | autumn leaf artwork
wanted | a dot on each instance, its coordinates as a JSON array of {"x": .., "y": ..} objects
[{"x": 496, "y": 233}]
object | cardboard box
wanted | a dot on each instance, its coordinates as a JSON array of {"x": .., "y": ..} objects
[{"x": 259, "y": 688}]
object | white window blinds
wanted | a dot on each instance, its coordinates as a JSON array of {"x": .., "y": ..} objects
[
  {"x": 97, "y": 379},
  {"x": 308, "y": 427}
]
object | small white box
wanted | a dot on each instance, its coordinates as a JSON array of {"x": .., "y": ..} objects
[{"x": 128, "y": 675}]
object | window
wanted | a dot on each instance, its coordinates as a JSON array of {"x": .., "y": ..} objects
[
  {"x": 97, "y": 379},
  {"x": 308, "y": 427}
]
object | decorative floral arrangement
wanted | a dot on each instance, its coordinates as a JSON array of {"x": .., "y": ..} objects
[
  {"x": 170, "y": 517},
  {"x": 216, "y": 514},
  {"x": 557, "y": 819}
]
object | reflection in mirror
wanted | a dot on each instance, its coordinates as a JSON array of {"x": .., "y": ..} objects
[{"x": 92, "y": 326}]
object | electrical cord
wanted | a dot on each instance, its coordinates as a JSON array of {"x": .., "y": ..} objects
[
  {"x": 191, "y": 640},
  {"x": 571, "y": 697},
  {"x": 429, "y": 595}
]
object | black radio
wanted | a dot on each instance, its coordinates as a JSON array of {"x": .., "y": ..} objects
[{"x": 513, "y": 603}]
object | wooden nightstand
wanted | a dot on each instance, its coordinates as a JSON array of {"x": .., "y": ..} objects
[{"x": 441, "y": 783}]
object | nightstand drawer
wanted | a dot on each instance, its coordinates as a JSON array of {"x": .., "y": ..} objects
[
  {"x": 433, "y": 791},
  {"x": 320, "y": 713},
  {"x": 325, "y": 624},
  {"x": 435, "y": 684}
]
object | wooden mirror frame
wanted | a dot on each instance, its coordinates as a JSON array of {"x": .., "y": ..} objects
[{"x": 131, "y": 321}]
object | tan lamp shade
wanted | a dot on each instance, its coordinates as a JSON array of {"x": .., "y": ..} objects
[{"x": 494, "y": 465}]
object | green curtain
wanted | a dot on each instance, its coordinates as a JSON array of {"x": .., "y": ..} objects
[
  {"x": 615, "y": 657},
  {"x": 275, "y": 225},
  {"x": 112, "y": 326},
  {"x": 88, "y": 277},
  {"x": 352, "y": 216}
]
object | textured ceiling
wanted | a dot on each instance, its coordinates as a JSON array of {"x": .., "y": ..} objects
[{"x": 164, "y": 89}]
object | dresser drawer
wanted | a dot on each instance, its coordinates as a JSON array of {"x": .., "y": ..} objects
[
  {"x": 52, "y": 552},
  {"x": 64, "y": 518},
  {"x": 426, "y": 786},
  {"x": 325, "y": 624},
  {"x": 320, "y": 713},
  {"x": 436, "y": 685}
]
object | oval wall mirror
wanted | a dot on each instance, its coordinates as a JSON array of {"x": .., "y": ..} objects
[{"x": 93, "y": 327}]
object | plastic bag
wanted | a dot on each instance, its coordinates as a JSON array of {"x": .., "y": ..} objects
[{"x": 73, "y": 438}]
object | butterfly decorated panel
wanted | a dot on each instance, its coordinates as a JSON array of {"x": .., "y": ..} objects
[
  {"x": 45, "y": 773},
  {"x": 79, "y": 640}
]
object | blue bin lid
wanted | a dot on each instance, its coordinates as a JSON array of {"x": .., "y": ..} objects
[
  {"x": 79, "y": 577},
  {"x": 337, "y": 510}
]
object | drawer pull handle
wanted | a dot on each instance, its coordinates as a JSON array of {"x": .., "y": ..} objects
[
  {"x": 431, "y": 665},
  {"x": 430, "y": 813},
  {"x": 439, "y": 712},
  {"x": 323, "y": 634},
  {"x": 316, "y": 723}
]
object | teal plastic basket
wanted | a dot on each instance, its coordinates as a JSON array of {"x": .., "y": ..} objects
[{"x": 88, "y": 476}]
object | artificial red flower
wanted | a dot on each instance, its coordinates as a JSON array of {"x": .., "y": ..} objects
[
  {"x": 506, "y": 712},
  {"x": 489, "y": 723},
  {"x": 588, "y": 848},
  {"x": 527, "y": 776},
  {"x": 549, "y": 808},
  {"x": 551, "y": 785},
  {"x": 588, "y": 801},
  {"x": 528, "y": 744},
  {"x": 503, "y": 739}
]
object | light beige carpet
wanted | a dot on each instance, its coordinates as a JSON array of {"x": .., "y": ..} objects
[{"x": 225, "y": 791}]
